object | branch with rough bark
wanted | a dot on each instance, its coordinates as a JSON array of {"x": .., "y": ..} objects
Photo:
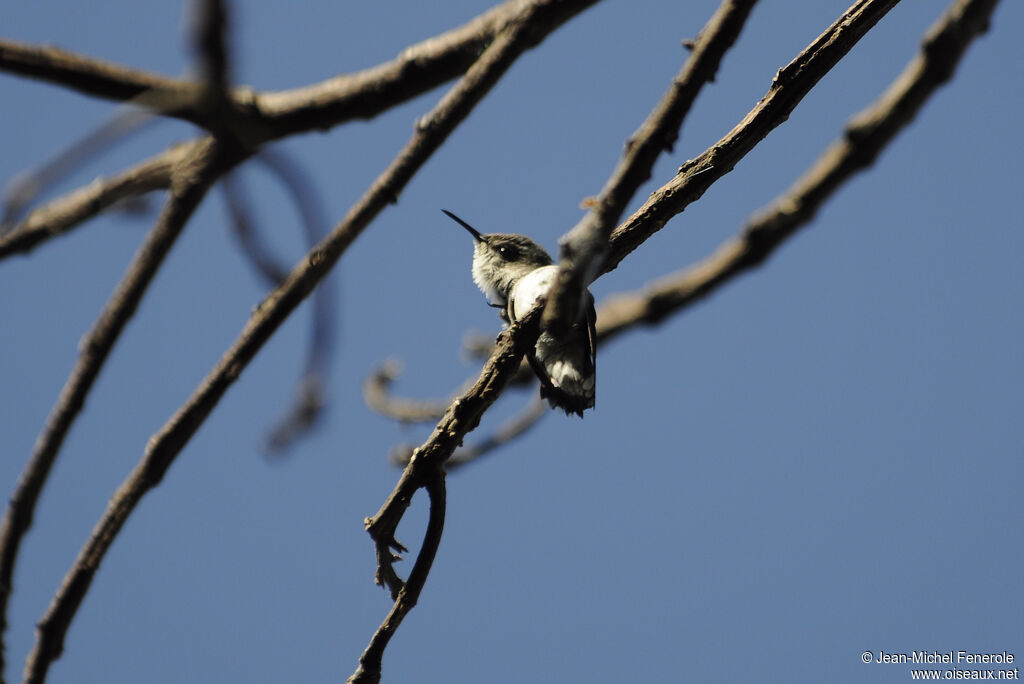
[
  {"x": 270, "y": 115},
  {"x": 426, "y": 470},
  {"x": 581, "y": 248},
  {"x": 65, "y": 213},
  {"x": 865, "y": 136},
  {"x": 790, "y": 86}
]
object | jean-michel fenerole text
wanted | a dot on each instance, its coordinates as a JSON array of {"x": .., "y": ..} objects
[{"x": 943, "y": 657}]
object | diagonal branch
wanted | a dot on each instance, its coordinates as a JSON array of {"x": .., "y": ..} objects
[
  {"x": 304, "y": 411},
  {"x": 96, "y": 77},
  {"x": 511, "y": 429},
  {"x": 789, "y": 87},
  {"x": 191, "y": 179},
  {"x": 311, "y": 397},
  {"x": 866, "y": 135},
  {"x": 582, "y": 247},
  {"x": 24, "y": 188},
  {"x": 64, "y": 213}
]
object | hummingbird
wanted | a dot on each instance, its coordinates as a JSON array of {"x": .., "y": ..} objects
[{"x": 515, "y": 273}]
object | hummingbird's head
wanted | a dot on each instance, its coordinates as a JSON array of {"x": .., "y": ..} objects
[{"x": 501, "y": 259}]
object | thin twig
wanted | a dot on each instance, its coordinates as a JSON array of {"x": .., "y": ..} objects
[
  {"x": 866, "y": 135},
  {"x": 310, "y": 396},
  {"x": 24, "y": 188},
  {"x": 191, "y": 179},
  {"x": 377, "y": 395},
  {"x": 264, "y": 261},
  {"x": 514, "y": 427},
  {"x": 305, "y": 409},
  {"x": 62, "y": 214},
  {"x": 582, "y": 247},
  {"x": 789, "y": 87},
  {"x": 310, "y": 400},
  {"x": 369, "y": 666}
]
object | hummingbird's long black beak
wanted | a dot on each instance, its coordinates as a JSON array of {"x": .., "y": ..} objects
[{"x": 473, "y": 231}]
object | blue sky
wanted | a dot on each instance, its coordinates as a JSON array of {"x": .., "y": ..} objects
[{"x": 821, "y": 459}]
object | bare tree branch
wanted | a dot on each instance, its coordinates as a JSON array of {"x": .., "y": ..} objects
[
  {"x": 432, "y": 130},
  {"x": 789, "y": 87},
  {"x": 190, "y": 181},
  {"x": 581, "y": 247},
  {"x": 210, "y": 38},
  {"x": 369, "y": 668},
  {"x": 518, "y": 425},
  {"x": 62, "y": 214},
  {"x": 377, "y": 395},
  {"x": 23, "y": 189},
  {"x": 96, "y": 77},
  {"x": 303, "y": 413},
  {"x": 271, "y": 115},
  {"x": 425, "y": 467},
  {"x": 262, "y": 117},
  {"x": 866, "y": 135}
]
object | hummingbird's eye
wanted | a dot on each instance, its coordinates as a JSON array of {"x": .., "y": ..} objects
[{"x": 508, "y": 252}]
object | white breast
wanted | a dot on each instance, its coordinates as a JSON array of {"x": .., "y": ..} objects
[{"x": 531, "y": 288}]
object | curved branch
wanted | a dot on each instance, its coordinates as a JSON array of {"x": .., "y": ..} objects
[
  {"x": 259, "y": 254},
  {"x": 789, "y": 87},
  {"x": 461, "y": 417},
  {"x": 377, "y": 395},
  {"x": 308, "y": 405},
  {"x": 369, "y": 668}
]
